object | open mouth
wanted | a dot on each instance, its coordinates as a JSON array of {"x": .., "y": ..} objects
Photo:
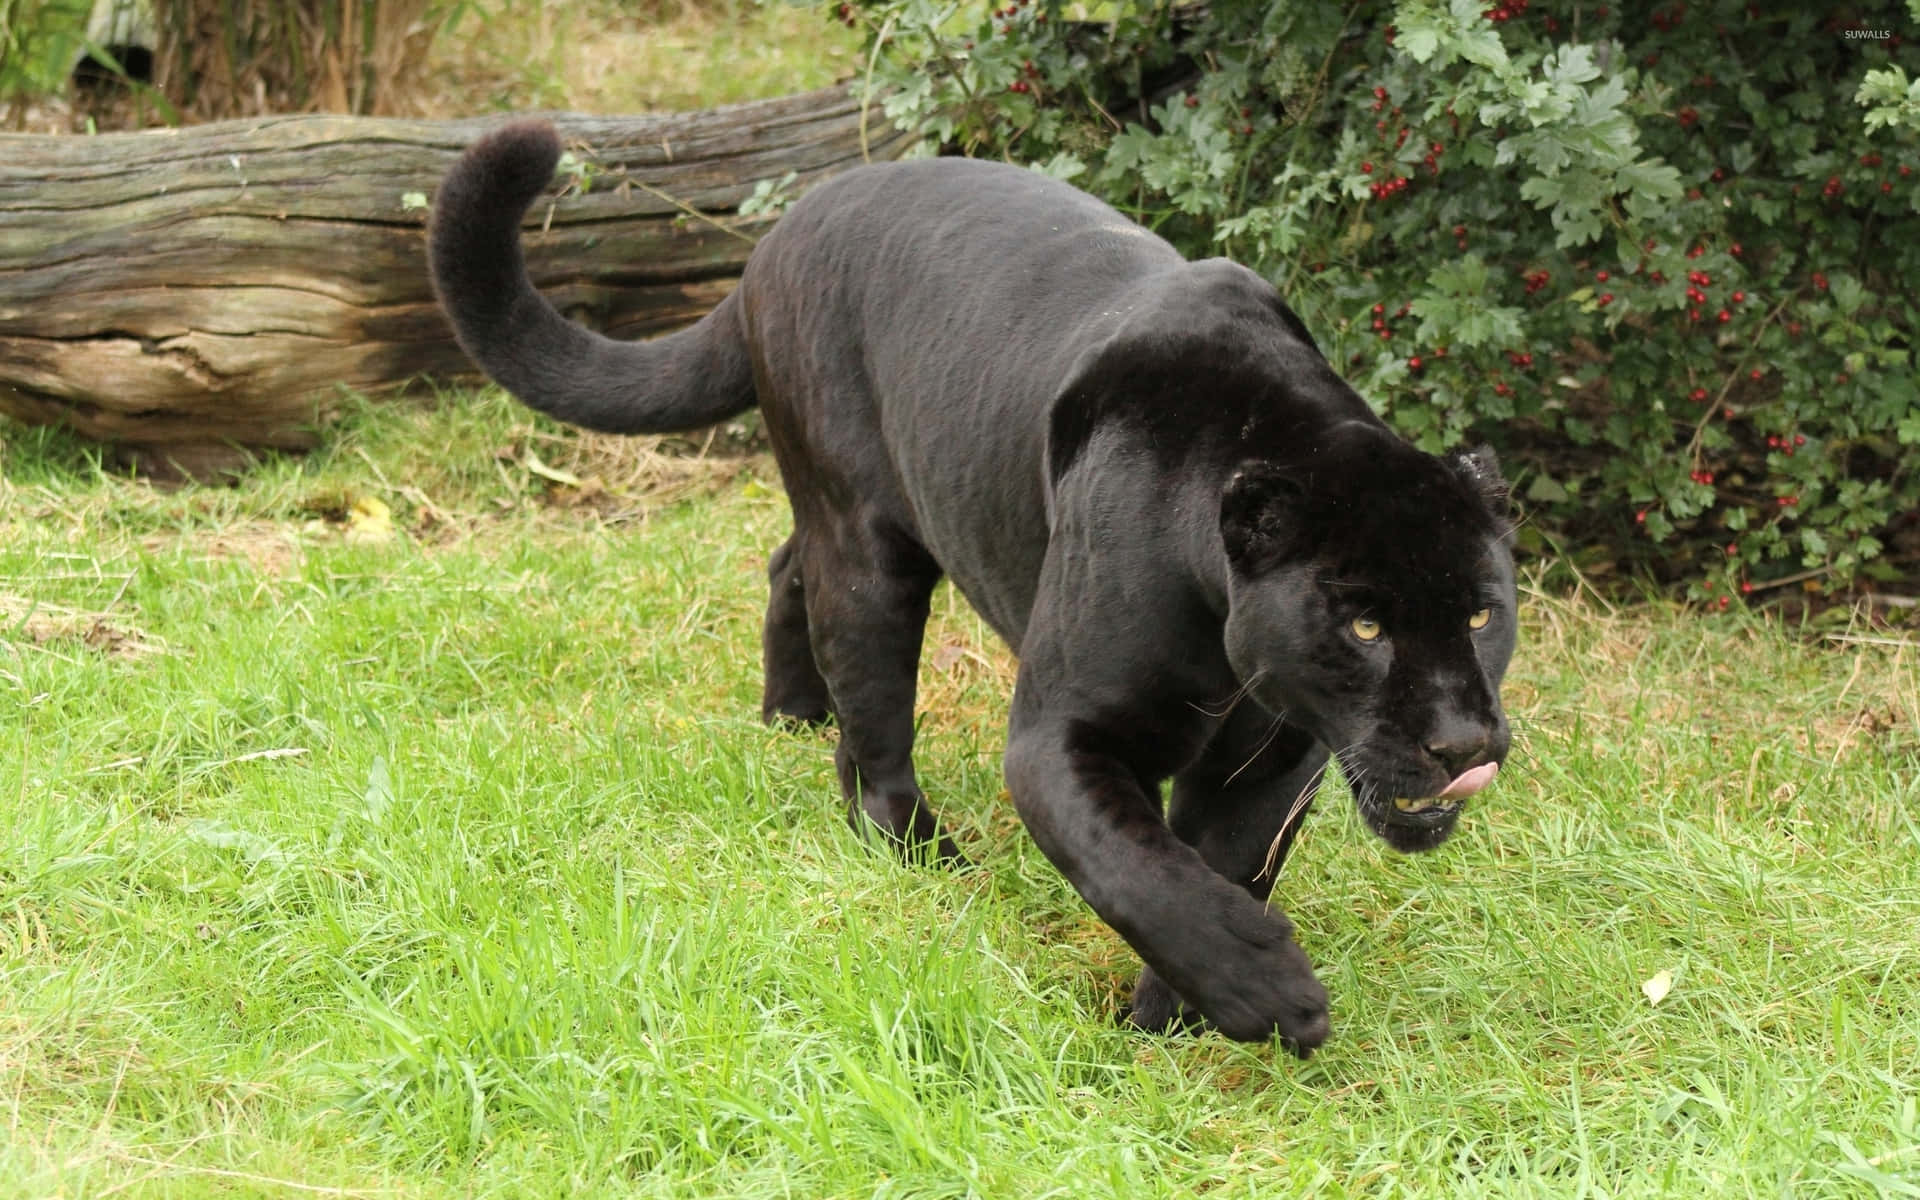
[
  {"x": 1416, "y": 823},
  {"x": 1465, "y": 784}
]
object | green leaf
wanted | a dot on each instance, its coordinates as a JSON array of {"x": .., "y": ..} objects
[
  {"x": 1418, "y": 44},
  {"x": 1546, "y": 490},
  {"x": 1847, "y": 293}
]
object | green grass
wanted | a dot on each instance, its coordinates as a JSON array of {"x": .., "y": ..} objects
[{"x": 456, "y": 864}]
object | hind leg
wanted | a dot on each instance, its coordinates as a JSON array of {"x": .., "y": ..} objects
[
  {"x": 1240, "y": 806},
  {"x": 794, "y": 689},
  {"x": 867, "y": 595}
]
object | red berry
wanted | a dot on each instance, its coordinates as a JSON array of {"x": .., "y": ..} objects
[
  {"x": 1193, "y": 102},
  {"x": 1640, "y": 518},
  {"x": 1414, "y": 364},
  {"x": 1739, "y": 297},
  {"x": 1724, "y": 316},
  {"x": 1733, "y": 548},
  {"x": 1366, "y": 168},
  {"x": 1606, "y": 298},
  {"x": 1746, "y": 589},
  {"x": 1799, "y": 439},
  {"x": 1379, "y": 309},
  {"x": 1601, "y": 276},
  {"x": 1698, "y": 395},
  {"x": 1754, "y": 374},
  {"x": 1820, "y": 281},
  {"x": 1734, "y": 249}
]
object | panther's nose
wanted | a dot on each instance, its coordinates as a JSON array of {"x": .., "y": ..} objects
[{"x": 1458, "y": 747}]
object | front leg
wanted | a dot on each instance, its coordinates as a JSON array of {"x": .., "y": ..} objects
[
  {"x": 1230, "y": 955},
  {"x": 1240, "y": 804}
]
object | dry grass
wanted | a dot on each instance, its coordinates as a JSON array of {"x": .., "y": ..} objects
[
  {"x": 1732, "y": 678},
  {"x": 441, "y": 59},
  {"x": 231, "y": 58},
  {"x": 603, "y": 58}
]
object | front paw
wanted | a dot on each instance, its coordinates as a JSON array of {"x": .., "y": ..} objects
[{"x": 1249, "y": 977}]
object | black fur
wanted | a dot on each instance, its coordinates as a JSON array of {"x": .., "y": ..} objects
[{"x": 1139, "y": 470}]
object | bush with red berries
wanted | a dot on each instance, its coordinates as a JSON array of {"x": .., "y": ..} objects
[{"x": 1665, "y": 256}]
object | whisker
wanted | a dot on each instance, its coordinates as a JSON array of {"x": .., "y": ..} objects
[
  {"x": 1232, "y": 701},
  {"x": 1271, "y": 866},
  {"x": 1273, "y": 731}
]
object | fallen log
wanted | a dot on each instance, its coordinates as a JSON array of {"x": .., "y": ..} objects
[{"x": 189, "y": 295}]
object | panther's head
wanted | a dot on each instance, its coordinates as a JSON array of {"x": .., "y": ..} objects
[{"x": 1371, "y": 601}]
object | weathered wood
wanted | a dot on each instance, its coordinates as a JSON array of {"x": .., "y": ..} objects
[{"x": 189, "y": 294}]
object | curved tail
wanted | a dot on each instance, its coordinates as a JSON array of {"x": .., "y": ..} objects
[{"x": 685, "y": 380}]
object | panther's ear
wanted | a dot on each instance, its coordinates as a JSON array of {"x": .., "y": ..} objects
[
  {"x": 1480, "y": 470},
  {"x": 1259, "y": 517}
]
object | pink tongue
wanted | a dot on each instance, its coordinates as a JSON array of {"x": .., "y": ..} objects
[{"x": 1471, "y": 781}]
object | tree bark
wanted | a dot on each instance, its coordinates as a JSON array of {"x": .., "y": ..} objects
[{"x": 189, "y": 295}]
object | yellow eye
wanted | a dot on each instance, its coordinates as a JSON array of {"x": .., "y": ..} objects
[
  {"x": 1365, "y": 628},
  {"x": 1479, "y": 620}
]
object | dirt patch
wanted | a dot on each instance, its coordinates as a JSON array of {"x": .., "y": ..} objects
[
  {"x": 269, "y": 547},
  {"x": 659, "y": 469},
  {"x": 47, "y": 624}
]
